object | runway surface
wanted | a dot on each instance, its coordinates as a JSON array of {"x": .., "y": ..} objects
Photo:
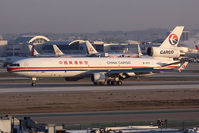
[
  {"x": 114, "y": 116},
  {"x": 184, "y": 82},
  {"x": 88, "y": 86}
]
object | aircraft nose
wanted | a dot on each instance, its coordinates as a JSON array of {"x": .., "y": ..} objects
[
  {"x": 12, "y": 67},
  {"x": 9, "y": 69}
]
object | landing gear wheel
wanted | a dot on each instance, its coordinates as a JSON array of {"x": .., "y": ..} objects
[
  {"x": 113, "y": 83},
  {"x": 108, "y": 82},
  {"x": 33, "y": 84},
  {"x": 99, "y": 83},
  {"x": 34, "y": 81},
  {"x": 95, "y": 83},
  {"x": 102, "y": 83},
  {"x": 119, "y": 82}
]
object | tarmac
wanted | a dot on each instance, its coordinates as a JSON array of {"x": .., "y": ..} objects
[
  {"x": 172, "y": 96},
  {"x": 88, "y": 86}
]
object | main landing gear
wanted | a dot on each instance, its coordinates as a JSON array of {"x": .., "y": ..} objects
[
  {"x": 34, "y": 81},
  {"x": 114, "y": 82},
  {"x": 109, "y": 82}
]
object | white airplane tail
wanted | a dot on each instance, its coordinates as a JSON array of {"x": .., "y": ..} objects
[
  {"x": 33, "y": 51},
  {"x": 90, "y": 48},
  {"x": 173, "y": 38},
  {"x": 58, "y": 52},
  {"x": 139, "y": 51}
]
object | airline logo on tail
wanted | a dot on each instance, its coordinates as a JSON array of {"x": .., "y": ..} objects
[
  {"x": 57, "y": 51},
  {"x": 173, "y": 39},
  {"x": 33, "y": 51},
  {"x": 197, "y": 47},
  {"x": 91, "y": 50}
]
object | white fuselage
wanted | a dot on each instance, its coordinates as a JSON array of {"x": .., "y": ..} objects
[{"x": 70, "y": 67}]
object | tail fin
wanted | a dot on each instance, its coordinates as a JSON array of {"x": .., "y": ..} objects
[
  {"x": 173, "y": 38},
  {"x": 58, "y": 52},
  {"x": 33, "y": 51},
  {"x": 90, "y": 48},
  {"x": 139, "y": 51},
  {"x": 197, "y": 47}
]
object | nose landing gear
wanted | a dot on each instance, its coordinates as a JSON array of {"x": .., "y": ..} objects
[{"x": 34, "y": 81}]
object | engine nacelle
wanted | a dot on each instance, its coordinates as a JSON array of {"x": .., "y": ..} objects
[
  {"x": 98, "y": 77},
  {"x": 183, "y": 49},
  {"x": 186, "y": 50},
  {"x": 131, "y": 74},
  {"x": 163, "y": 52}
]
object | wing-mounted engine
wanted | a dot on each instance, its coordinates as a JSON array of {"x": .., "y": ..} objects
[
  {"x": 163, "y": 52},
  {"x": 98, "y": 78}
]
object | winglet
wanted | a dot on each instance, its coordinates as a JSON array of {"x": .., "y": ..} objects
[{"x": 139, "y": 51}]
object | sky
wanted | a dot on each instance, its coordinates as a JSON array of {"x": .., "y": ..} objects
[{"x": 80, "y": 16}]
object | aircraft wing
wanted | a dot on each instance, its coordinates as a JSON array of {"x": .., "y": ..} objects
[
  {"x": 139, "y": 70},
  {"x": 163, "y": 68},
  {"x": 135, "y": 70},
  {"x": 171, "y": 64}
]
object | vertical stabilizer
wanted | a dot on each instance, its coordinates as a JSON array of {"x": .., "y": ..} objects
[
  {"x": 58, "y": 52},
  {"x": 197, "y": 47},
  {"x": 33, "y": 51},
  {"x": 139, "y": 51},
  {"x": 90, "y": 48},
  {"x": 173, "y": 38}
]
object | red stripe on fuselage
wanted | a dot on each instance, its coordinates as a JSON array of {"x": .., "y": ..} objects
[
  {"x": 69, "y": 68},
  {"x": 57, "y": 68}
]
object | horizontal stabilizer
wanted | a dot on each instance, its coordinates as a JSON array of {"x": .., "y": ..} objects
[{"x": 183, "y": 66}]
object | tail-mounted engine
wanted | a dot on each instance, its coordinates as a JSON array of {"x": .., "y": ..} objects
[{"x": 162, "y": 52}]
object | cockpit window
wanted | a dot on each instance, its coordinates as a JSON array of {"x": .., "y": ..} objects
[{"x": 14, "y": 64}]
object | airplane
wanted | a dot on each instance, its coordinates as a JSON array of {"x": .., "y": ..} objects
[
  {"x": 33, "y": 51},
  {"x": 58, "y": 52},
  {"x": 197, "y": 47},
  {"x": 102, "y": 70},
  {"x": 91, "y": 51}
]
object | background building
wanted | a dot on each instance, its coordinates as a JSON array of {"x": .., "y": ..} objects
[
  {"x": 20, "y": 46},
  {"x": 3, "y": 44},
  {"x": 129, "y": 46},
  {"x": 67, "y": 47}
]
